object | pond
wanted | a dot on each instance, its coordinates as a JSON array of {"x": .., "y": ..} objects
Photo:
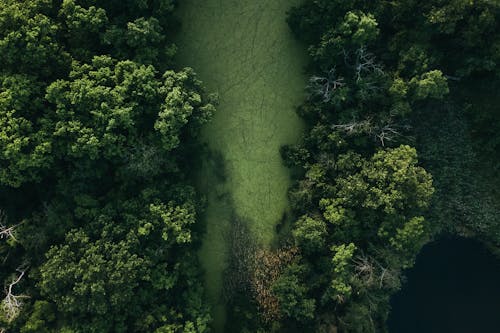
[{"x": 454, "y": 287}]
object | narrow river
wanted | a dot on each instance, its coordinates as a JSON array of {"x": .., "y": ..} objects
[{"x": 244, "y": 51}]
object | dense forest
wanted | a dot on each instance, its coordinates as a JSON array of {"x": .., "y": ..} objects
[
  {"x": 99, "y": 219},
  {"x": 402, "y": 146},
  {"x": 99, "y": 211}
]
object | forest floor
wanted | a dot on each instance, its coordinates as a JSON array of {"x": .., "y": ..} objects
[{"x": 244, "y": 51}]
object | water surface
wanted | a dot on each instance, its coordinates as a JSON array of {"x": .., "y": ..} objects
[
  {"x": 453, "y": 288},
  {"x": 244, "y": 51}
]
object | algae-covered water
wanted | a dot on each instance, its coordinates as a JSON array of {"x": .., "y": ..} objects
[{"x": 244, "y": 51}]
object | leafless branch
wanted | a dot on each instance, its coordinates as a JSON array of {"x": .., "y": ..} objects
[
  {"x": 5, "y": 259},
  {"x": 364, "y": 268},
  {"x": 326, "y": 85},
  {"x": 144, "y": 159},
  {"x": 12, "y": 304},
  {"x": 373, "y": 274},
  {"x": 382, "y": 133},
  {"x": 5, "y": 231},
  {"x": 366, "y": 63},
  {"x": 388, "y": 277},
  {"x": 354, "y": 127},
  {"x": 389, "y": 132}
]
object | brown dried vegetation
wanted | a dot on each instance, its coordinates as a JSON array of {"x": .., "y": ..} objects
[{"x": 268, "y": 265}]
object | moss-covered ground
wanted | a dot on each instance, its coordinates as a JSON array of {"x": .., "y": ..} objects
[{"x": 244, "y": 51}]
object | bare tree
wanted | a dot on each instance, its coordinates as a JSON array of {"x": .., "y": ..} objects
[
  {"x": 388, "y": 278},
  {"x": 12, "y": 304},
  {"x": 372, "y": 273},
  {"x": 5, "y": 231},
  {"x": 355, "y": 127},
  {"x": 365, "y": 269},
  {"x": 366, "y": 63},
  {"x": 390, "y": 132},
  {"x": 383, "y": 133},
  {"x": 326, "y": 85}
]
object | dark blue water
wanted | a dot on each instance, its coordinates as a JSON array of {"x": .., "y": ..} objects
[{"x": 453, "y": 288}]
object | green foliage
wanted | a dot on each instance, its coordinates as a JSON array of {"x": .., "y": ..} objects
[
  {"x": 81, "y": 26},
  {"x": 103, "y": 278},
  {"x": 42, "y": 315},
  {"x": 310, "y": 234},
  {"x": 174, "y": 221},
  {"x": 28, "y": 39},
  {"x": 95, "y": 131},
  {"x": 292, "y": 295},
  {"x": 366, "y": 205},
  {"x": 97, "y": 111},
  {"x": 342, "y": 270},
  {"x": 377, "y": 70},
  {"x": 373, "y": 197},
  {"x": 430, "y": 85},
  {"x": 25, "y": 142},
  {"x": 355, "y": 30},
  {"x": 182, "y": 102}
]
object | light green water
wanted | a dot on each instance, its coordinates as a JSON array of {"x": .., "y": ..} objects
[{"x": 244, "y": 51}]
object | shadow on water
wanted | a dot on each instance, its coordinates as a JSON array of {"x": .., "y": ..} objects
[{"x": 453, "y": 288}]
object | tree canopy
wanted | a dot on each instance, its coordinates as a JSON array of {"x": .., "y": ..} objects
[
  {"x": 97, "y": 126},
  {"x": 364, "y": 203}
]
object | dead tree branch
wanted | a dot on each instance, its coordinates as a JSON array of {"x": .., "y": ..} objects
[
  {"x": 365, "y": 270},
  {"x": 355, "y": 127},
  {"x": 366, "y": 63},
  {"x": 5, "y": 231},
  {"x": 374, "y": 274},
  {"x": 12, "y": 304},
  {"x": 390, "y": 132},
  {"x": 325, "y": 86},
  {"x": 383, "y": 133}
]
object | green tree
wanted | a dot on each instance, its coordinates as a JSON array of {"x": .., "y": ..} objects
[
  {"x": 95, "y": 141},
  {"x": 25, "y": 143},
  {"x": 375, "y": 69},
  {"x": 342, "y": 268},
  {"x": 310, "y": 234},
  {"x": 183, "y": 102},
  {"x": 96, "y": 280},
  {"x": 356, "y": 30},
  {"x": 430, "y": 85},
  {"x": 42, "y": 315},
  {"x": 292, "y": 295},
  {"x": 28, "y": 40}
]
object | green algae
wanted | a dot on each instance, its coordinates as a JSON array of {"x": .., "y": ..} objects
[{"x": 244, "y": 51}]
